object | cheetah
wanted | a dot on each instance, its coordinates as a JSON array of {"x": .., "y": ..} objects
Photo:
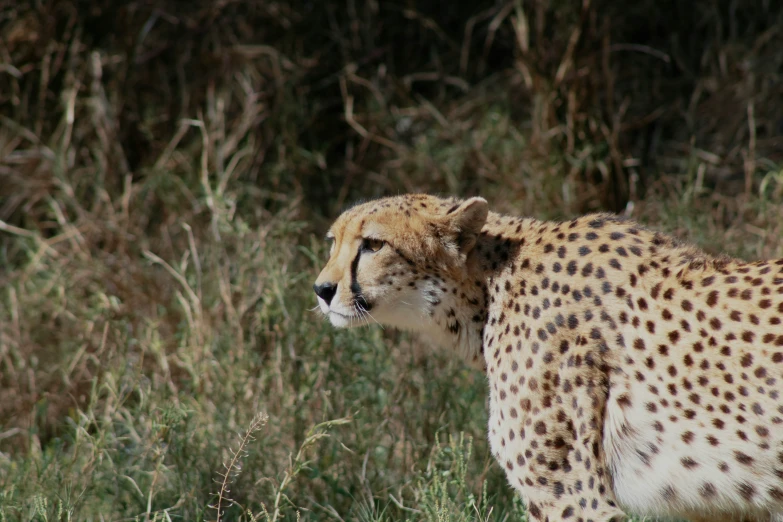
[{"x": 627, "y": 372}]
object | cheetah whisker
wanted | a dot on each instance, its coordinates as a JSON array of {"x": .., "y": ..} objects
[
  {"x": 363, "y": 313},
  {"x": 368, "y": 314}
]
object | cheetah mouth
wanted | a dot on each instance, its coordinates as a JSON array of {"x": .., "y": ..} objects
[
  {"x": 357, "y": 316},
  {"x": 342, "y": 320}
]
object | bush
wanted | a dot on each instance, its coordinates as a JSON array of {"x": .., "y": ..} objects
[{"x": 166, "y": 174}]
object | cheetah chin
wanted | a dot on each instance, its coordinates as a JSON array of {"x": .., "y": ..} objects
[{"x": 628, "y": 373}]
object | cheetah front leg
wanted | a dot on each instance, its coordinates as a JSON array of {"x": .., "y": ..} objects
[
  {"x": 556, "y": 460},
  {"x": 562, "y": 480}
]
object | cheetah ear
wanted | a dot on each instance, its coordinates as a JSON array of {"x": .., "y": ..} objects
[{"x": 466, "y": 220}]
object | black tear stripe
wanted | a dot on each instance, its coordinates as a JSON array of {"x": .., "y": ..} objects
[{"x": 356, "y": 289}]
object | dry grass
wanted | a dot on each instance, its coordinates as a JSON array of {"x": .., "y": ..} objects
[{"x": 165, "y": 175}]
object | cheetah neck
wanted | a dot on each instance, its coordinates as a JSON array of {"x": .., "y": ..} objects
[
  {"x": 458, "y": 320},
  {"x": 460, "y": 312},
  {"x": 458, "y": 306}
]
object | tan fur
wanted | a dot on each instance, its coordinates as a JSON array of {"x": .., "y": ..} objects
[{"x": 627, "y": 373}]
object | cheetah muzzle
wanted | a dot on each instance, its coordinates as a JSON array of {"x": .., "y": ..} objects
[{"x": 627, "y": 373}]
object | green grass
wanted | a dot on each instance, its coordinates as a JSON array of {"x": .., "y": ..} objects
[
  {"x": 144, "y": 400},
  {"x": 166, "y": 177}
]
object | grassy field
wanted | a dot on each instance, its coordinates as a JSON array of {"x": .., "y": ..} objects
[{"x": 166, "y": 177}]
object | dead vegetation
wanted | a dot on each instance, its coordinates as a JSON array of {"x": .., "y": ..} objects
[{"x": 163, "y": 170}]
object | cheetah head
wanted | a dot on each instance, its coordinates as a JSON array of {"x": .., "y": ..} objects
[{"x": 396, "y": 261}]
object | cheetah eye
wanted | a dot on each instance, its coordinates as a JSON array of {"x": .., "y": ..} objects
[{"x": 372, "y": 245}]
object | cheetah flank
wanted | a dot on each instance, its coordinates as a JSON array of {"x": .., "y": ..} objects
[{"x": 627, "y": 373}]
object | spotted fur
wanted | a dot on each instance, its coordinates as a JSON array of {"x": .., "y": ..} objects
[{"x": 627, "y": 373}]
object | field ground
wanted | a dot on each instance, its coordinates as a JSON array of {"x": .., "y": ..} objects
[{"x": 166, "y": 178}]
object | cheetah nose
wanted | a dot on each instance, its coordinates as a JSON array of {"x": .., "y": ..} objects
[{"x": 325, "y": 291}]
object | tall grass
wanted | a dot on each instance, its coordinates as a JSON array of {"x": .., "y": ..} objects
[{"x": 166, "y": 176}]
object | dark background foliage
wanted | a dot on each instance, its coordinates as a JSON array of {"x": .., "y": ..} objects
[{"x": 167, "y": 169}]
